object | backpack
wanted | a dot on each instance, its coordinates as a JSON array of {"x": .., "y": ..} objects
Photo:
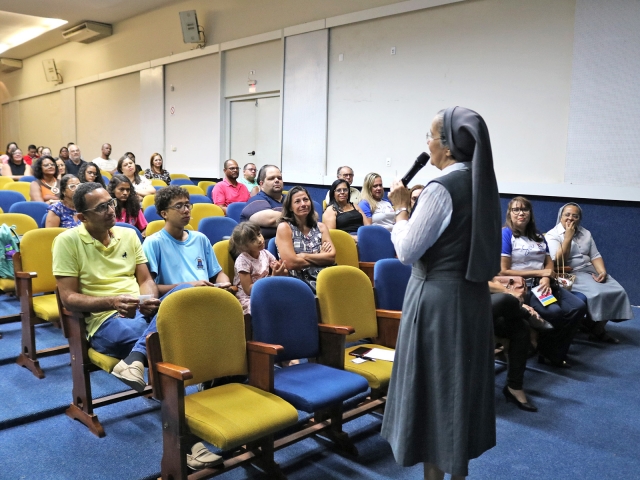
[{"x": 8, "y": 236}]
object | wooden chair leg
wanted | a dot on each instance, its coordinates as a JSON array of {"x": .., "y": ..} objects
[
  {"x": 27, "y": 357},
  {"x": 265, "y": 461},
  {"x": 175, "y": 436},
  {"x": 335, "y": 433}
]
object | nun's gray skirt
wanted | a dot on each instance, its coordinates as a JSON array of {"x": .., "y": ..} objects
[
  {"x": 605, "y": 301},
  {"x": 440, "y": 407}
]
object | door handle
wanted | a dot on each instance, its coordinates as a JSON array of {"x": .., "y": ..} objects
[{"x": 252, "y": 152}]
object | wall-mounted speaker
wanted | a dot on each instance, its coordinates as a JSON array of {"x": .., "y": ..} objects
[{"x": 190, "y": 27}]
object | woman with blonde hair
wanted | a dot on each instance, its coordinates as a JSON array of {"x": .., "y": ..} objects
[{"x": 376, "y": 210}]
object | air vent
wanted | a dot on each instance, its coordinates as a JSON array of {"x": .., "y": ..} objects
[
  {"x": 87, "y": 32},
  {"x": 9, "y": 65}
]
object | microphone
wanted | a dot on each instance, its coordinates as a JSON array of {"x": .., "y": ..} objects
[{"x": 420, "y": 162}]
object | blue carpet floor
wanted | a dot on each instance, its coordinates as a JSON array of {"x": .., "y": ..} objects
[{"x": 588, "y": 427}]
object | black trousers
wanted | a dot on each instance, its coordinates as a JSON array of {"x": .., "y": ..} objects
[{"x": 508, "y": 322}]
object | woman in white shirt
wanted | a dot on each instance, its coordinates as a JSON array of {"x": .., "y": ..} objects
[
  {"x": 376, "y": 210},
  {"x": 142, "y": 185}
]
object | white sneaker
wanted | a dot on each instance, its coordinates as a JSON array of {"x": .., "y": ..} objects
[
  {"x": 200, "y": 457},
  {"x": 132, "y": 375}
]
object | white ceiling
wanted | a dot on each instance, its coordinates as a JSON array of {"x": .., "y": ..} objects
[{"x": 74, "y": 11}]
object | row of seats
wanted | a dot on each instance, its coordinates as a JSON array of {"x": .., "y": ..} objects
[{"x": 348, "y": 301}]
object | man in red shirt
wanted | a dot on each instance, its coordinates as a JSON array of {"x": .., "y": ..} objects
[{"x": 229, "y": 190}]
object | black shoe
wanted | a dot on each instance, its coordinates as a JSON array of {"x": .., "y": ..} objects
[
  {"x": 556, "y": 363},
  {"x": 510, "y": 397},
  {"x": 538, "y": 324}
]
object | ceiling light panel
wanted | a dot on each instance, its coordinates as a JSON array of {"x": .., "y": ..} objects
[{"x": 16, "y": 29}]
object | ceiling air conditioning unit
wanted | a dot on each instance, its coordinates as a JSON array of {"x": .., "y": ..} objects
[
  {"x": 87, "y": 32},
  {"x": 9, "y": 65}
]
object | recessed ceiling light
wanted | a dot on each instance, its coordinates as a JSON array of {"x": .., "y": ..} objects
[{"x": 16, "y": 29}]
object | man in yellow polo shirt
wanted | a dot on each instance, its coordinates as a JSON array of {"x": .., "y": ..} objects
[{"x": 101, "y": 269}]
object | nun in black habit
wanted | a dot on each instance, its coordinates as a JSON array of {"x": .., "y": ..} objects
[{"x": 440, "y": 407}]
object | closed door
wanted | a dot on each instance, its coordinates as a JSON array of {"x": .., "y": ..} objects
[{"x": 255, "y": 131}]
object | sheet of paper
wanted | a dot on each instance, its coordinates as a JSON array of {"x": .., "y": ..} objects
[
  {"x": 380, "y": 354},
  {"x": 358, "y": 360}
]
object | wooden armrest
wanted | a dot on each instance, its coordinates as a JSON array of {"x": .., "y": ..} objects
[
  {"x": 337, "y": 329},
  {"x": 366, "y": 264},
  {"x": 388, "y": 325},
  {"x": 267, "y": 348},
  {"x": 174, "y": 371},
  {"x": 26, "y": 275}
]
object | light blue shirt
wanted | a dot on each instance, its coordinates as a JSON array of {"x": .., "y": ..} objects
[{"x": 175, "y": 262}]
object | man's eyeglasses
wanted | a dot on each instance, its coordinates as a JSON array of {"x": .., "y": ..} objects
[
  {"x": 103, "y": 207},
  {"x": 519, "y": 210},
  {"x": 181, "y": 206}
]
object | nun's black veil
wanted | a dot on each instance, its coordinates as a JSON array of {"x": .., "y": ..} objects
[{"x": 468, "y": 138}]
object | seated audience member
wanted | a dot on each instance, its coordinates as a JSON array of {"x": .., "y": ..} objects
[
  {"x": 62, "y": 168},
  {"x": 133, "y": 157},
  {"x": 229, "y": 190},
  {"x": 340, "y": 212},
  {"x": 104, "y": 162},
  {"x": 63, "y": 154},
  {"x": 176, "y": 255},
  {"x": 16, "y": 167},
  {"x": 39, "y": 150},
  {"x": 46, "y": 187},
  {"x": 376, "y": 210},
  {"x": 75, "y": 160},
  {"x": 253, "y": 261},
  {"x": 46, "y": 151},
  {"x": 63, "y": 213},
  {"x": 605, "y": 298},
  {"x": 415, "y": 192},
  {"x": 156, "y": 169},
  {"x": 32, "y": 154},
  {"x": 128, "y": 208},
  {"x": 141, "y": 185},
  {"x": 346, "y": 173},
  {"x": 511, "y": 320},
  {"x": 101, "y": 270},
  {"x": 265, "y": 207},
  {"x": 11, "y": 146},
  {"x": 90, "y": 172},
  {"x": 303, "y": 243},
  {"x": 248, "y": 178},
  {"x": 525, "y": 254}
]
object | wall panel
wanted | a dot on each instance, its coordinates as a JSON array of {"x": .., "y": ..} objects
[
  {"x": 109, "y": 112},
  {"x": 263, "y": 58},
  {"x": 192, "y": 131},
  {"x": 41, "y": 122}
]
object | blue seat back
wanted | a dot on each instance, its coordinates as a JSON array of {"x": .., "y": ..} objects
[
  {"x": 195, "y": 198},
  {"x": 283, "y": 312},
  {"x": 8, "y": 198},
  {"x": 390, "y": 279},
  {"x": 151, "y": 214},
  {"x": 43, "y": 222},
  {"x": 106, "y": 179},
  {"x": 216, "y": 228},
  {"x": 181, "y": 181},
  {"x": 271, "y": 246},
  {"x": 27, "y": 178},
  {"x": 133, "y": 227},
  {"x": 318, "y": 208},
  {"x": 34, "y": 209},
  {"x": 234, "y": 210},
  {"x": 209, "y": 190},
  {"x": 374, "y": 243}
]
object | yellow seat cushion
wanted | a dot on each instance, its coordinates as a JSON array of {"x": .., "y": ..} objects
[
  {"x": 377, "y": 373},
  {"x": 7, "y": 285},
  {"x": 234, "y": 414},
  {"x": 105, "y": 362},
  {"x": 46, "y": 307}
]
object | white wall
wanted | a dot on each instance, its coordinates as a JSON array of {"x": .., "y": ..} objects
[
  {"x": 40, "y": 118},
  {"x": 509, "y": 61},
  {"x": 109, "y": 112}
]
